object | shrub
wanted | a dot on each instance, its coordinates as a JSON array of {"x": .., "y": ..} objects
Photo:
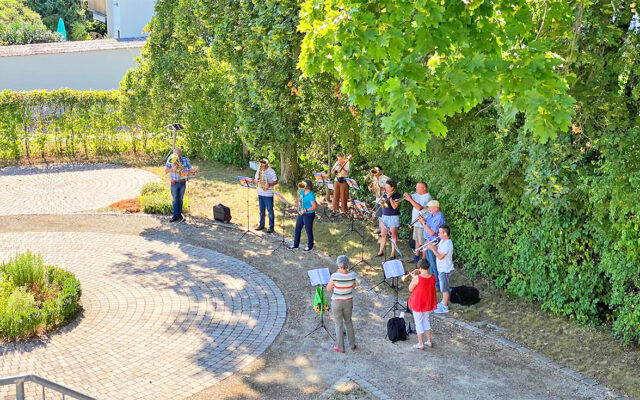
[
  {"x": 79, "y": 31},
  {"x": 25, "y": 269},
  {"x": 159, "y": 202},
  {"x": 152, "y": 187},
  {"x": 21, "y": 25},
  {"x": 34, "y": 297},
  {"x": 19, "y": 316}
]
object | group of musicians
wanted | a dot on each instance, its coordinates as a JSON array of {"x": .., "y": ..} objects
[{"x": 426, "y": 217}]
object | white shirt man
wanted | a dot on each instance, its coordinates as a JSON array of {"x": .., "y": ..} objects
[
  {"x": 265, "y": 182},
  {"x": 419, "y": 202}
]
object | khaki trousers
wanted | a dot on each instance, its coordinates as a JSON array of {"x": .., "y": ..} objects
[{"x": 340, "y": 196}]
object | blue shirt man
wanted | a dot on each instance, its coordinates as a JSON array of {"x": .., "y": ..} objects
[{"x": 433, "y": 222}]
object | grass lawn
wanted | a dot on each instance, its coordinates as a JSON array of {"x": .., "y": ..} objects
[{"x": 589, "y": 350}]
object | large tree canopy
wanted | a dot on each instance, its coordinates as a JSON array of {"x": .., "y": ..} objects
[{"x": 419, "y": 62}]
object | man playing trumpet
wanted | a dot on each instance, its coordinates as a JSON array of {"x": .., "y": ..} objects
[
  {"x": 265, "y": 180},
  {"x": 419, "y": 201}
]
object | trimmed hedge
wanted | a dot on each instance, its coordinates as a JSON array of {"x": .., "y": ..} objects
[
  {"x": 156, "y": 199},
  {"x": 34, "y": 297}
]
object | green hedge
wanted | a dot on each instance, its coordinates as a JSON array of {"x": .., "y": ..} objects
[
  {"x": 156, "y": 199},
  {"x": 22, "y": 315}
]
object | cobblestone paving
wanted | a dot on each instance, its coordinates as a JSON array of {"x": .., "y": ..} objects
[
  {"x": 161, "y": 320},
  {"x": 67, "y": 188}
]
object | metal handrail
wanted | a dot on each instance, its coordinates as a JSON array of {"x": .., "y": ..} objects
[{"x": 19, "y": 381}]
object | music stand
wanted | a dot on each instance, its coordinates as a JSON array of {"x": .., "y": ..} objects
[
  {"x": 191, "y": 174},
  {"x": 254, "y": 165},
  {"x": 320, "y": 277},
  {"x": 394, "y": 244},
  {"x": 394, "y": 269},
  {"x": 352, "y": 217},
  {"x": 364, "y": 211},
  {"x": 284, "y": 203},
  {"x": 325, "y": 179},
  {"x": 247, "y": 182}
]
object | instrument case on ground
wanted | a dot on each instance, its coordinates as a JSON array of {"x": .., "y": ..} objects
[{"x": 222, "y": 213}]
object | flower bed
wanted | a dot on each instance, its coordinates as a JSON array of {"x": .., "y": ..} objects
[{"x": 35, "y": 298}]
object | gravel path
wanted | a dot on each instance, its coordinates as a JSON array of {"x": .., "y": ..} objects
[{"x": 462, "y": 365}]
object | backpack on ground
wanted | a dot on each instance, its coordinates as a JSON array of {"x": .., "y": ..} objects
[
  {"x": 222, "y": 213},
  {"x": 465, "y": 295},
  {"x": 396, "y": 329}
]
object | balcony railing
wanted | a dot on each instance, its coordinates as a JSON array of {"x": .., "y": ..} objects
[{"x": 19, "y": 381}]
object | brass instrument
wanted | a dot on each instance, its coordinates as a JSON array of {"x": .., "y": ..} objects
[
  {"x": 405, "y": 277},
  {"x": 262, "y": 183},
  {"x": 384, "y": 202},
  {"x": 176, "y": 162},
  {"x": 422, "y": 213},
  {"x": 301, "y": 185},
  {"x": 339, "y": 173}
]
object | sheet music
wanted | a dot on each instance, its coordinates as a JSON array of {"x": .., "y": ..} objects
[
  {"x": 393, "y": 269},
  {"x": 320, "y": 276},
  {"x": 246, "y": 181},
  {"x": 253, "y": 165},
  {"x": 282, "y": 199}
]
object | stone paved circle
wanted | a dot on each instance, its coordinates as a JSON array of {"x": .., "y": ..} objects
[
  {"x": 161, "y": 320},
  {"x": 67, "y": 188}
]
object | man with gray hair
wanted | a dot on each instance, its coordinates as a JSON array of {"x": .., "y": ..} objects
[{"x": 342, "y": 284}]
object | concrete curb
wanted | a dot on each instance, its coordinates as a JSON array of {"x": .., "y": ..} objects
[{"x": 351, "y": 376}]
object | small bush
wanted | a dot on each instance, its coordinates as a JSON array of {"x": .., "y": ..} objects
[
  {"x": 159, "y": 203},
  {"x": 26, "y": 33},
  {"x": 34, "y": 297},
  {"x": 79, "y": 31},
  {"x": 27, "y": 269},
  {"x": 152, "y": 187}
]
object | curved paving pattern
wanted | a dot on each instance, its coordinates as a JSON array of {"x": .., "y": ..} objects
[
  {"x": 67, "y": 188},
  {"x": 162, "y": 320}
]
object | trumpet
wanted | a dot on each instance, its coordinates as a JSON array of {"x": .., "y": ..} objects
[
  {"x": 405, "y": 277},
  {"x": 385, "y": 201},
  {"x": 422, "y": 213}
]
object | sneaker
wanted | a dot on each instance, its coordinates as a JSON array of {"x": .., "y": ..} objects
[
  {"x": 442, "y": 310},
  {"x": 173, "y": 219},
  {"x": 259, "y": 228},
  {"x": 180, "y": 219},
  {"x": 428, "y": 344},
  {"x": 292, "y": 247},
  {"x": 418, "y": 346},
  {"x": 307, "y": 249},
  {"x": 270, "y": 230}
]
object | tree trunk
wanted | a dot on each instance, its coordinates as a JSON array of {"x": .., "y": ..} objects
[{"x": 288, "y": 164}]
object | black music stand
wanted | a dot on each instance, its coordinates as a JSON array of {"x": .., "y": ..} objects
[
  {"x": 352, "y": 185},
  {"x": 364, "y": 211},
  {"x": 284, "y": 204},
  {"x": 394, "y": 269},
  {"x": 247, "y": 182},
  {"x": 324, "y": 180},
  {"x": 320, "y": 277}
]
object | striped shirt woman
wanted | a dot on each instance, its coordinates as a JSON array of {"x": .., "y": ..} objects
[{"x": 342, "y": 284}]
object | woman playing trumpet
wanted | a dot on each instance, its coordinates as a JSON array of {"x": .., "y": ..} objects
[
  {"x": 306, "y": 206},
  {"x": 390, "y": 216}
]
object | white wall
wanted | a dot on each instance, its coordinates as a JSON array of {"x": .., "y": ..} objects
[
  {"x": 134, "y": 16},
  {"x": 98, "y": 70}
]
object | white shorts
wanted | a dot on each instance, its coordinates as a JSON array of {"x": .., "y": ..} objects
[
  {"x": 422, "y": 321},
  {"x": 392, "y": 221}
]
